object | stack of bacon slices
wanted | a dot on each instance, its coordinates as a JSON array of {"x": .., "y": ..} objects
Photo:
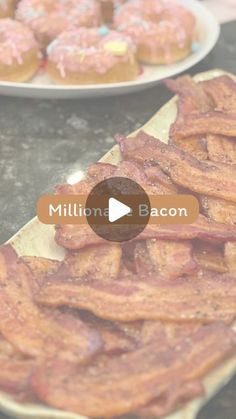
[{"x": 134, "y": 328}]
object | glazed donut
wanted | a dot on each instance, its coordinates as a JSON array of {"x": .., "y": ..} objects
[
  {"x": 48, "y": 18},
  {"x": 19, "y": 52},
  {"x": 6, "y": 8},
  {"x": 163, "y": 30},
  {"x": 90, "y": 56}
]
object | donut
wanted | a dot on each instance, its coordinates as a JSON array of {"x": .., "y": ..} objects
[
  {"x": 91, "y": 56},
  {"x": 48, "y": 18},
  {"x": 108, "y": 8},
  {"x": 162, "y": 29},
  {"x": 6, "y": 8},
  {"x": 19, "y": 52}
]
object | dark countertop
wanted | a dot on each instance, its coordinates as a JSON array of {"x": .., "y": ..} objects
[{"x": 42, "y": 142}]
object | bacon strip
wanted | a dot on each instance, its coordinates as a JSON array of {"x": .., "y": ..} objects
[
  {"x": 210, "y": 257},
  {"x": 185, "y": 170},
  {"x": 222, "y": 91},
  {"x": 192, "y": 99},
  {"x": 208, "y": 298},
  {"x": 15, "y": 371},
  {"x": 219, "y": 210},
  {"x": 178, "y": 395},
  {"x": 168, "y": 259},
  {"x": 230, "y": 256},
  {"x": 100, "y": 262},
  {"x": 32, "y": 331},
  {"x": 221, "y": 149},
  {"x": 199, "y": 124},
  {"x": 126, "y": 383},
  {"x": 78, "y": 237},
  {"x": 192, "y": 96},
  {"x": 171, "y": 259}
]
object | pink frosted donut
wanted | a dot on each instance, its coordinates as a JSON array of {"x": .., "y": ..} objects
[
  {"x": 95, "y": 55},
  {"x": 6, "y": 8},
  {"x": 19, "y": 52},
  {"x": 48, "y": 18},
  {"x": 163, "y": 30}
]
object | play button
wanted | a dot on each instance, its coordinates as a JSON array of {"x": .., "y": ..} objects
[
  {"x": 117, "y": 210},
  {"x": 113, "y": 209}
]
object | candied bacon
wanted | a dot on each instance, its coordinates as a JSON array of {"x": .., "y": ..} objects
[
  {"x": 210, "y": 257},
  {"x": 32, "y": 331},
  {"x": 219, "y": 210},
  {"x": 192, "y": 99},
  {"x": 15, "y": 371},
  {"x": 78, "y": 237},
  {"x": 221, "y": 148},
  {"x": 192, "y": 96},
  {"x": 185, "y": 170},
  {"x": 222, "y": 91},
  {"x": 230, "y": 256},
  {"x": 124, "y": 384},
  {"x": 207, "y": 298},
  {"x": 102, "y": 261},
  {"x": 213, "y": 122},
  {"x": 168, "y": 259},
  {"x": 176, "y": 397},
  {"x": 171, "y": 259}
]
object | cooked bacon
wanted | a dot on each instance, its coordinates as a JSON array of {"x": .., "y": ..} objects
[
  {"x": 230, "y": 256},
  {"x": 168, "y": 259},
  {"x": 156, "y": 176},
  {"x": 115, "y": 340},
  {"x": 171, "y": 259},
  {"x": 40, "y": 266},
  {"x": 205, "y": 123},
  {"x": 208, "y": 298},
  {"x": 185, "y": 170},
  {"x": 210, "y": 257},
  {"x": 132, "y": 170},
  {"x": 142, "y": 262},
  {"x": 221, "y": 148},
  {"x": 192, "y": 99},
  {"x": 99, "y": 262},
  {"x": 222, "y": 91},
  {"x": 167, "y": 334},
  {"x": 33, "y": 332},
  {"x": 194, "y": 145},
  {"x": 15, "y": 371},
  {"x": 100, "y": 171},
  {"x": 15, "y": 377},
  {"x": 219, "y": 210},
  {"x": 78, "y": 237},
  {"x": 178, "y": 395},
  {"x": 126, "y": 383}
]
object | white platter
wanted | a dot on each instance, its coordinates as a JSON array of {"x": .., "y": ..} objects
[
  {"x": 37, "y": 239},
  {"x": 208, "y": 31}
]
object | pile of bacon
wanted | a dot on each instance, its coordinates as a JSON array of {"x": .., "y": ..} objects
[{"x": 134, "y": 328}]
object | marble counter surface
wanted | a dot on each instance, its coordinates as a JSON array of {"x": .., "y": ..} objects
[{"x": 44, "y": 142}]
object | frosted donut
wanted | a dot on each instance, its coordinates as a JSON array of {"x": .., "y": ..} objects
[
  {"x": 48, "y": 18},
  {"x": 19, "y": 52},
  {"x": 89, "y": 56},
  {"x": 162, "y": 30},
  {"x": 6, "y": 8}
]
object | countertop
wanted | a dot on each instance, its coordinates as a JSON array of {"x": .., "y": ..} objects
[{"x": 43, "y": 142}]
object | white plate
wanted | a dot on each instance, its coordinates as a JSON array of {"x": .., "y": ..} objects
[
  {"x": 37, "y": 239},
  {"x": 208, "y": 31}
]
